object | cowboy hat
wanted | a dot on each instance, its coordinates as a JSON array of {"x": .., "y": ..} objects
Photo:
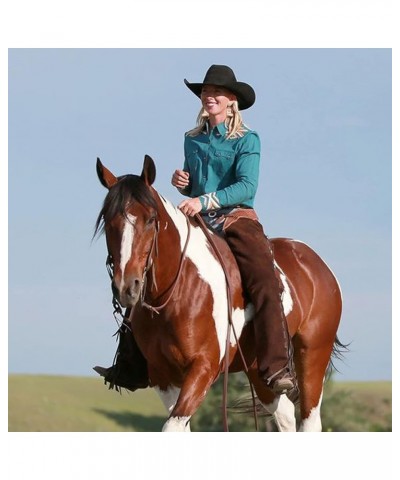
[{"x": 223, "y": 76}]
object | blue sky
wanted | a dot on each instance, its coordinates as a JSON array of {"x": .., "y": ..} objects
[{"x": 324, "y": 118}]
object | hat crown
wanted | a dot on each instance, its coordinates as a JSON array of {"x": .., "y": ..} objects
[{"x": 219, "y": 75}]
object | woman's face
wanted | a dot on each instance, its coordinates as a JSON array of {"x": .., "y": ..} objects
[{"x": 215, "y": 100}]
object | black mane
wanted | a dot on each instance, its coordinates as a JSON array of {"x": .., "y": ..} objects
[{"x": 128, "y": 189}]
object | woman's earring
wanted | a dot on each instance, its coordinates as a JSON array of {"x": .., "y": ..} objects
[{"x": 229, "y": 110}]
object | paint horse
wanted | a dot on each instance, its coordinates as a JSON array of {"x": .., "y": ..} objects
[{"x": 165, "y": 270}]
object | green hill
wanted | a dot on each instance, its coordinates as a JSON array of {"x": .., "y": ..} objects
[
  {"x": 79, "y": 404},
  {"x": 83, "y": 404}
]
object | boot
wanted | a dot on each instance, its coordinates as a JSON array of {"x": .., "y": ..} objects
[
  {"x": 129, "y": 369},
  {"x": 282, "y": 382},
  {"x": 117, "y": 378}
]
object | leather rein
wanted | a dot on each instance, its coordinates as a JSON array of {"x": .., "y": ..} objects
[{"x": 150, "y": 264}]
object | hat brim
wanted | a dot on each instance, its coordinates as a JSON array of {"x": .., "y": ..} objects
[{"x": 244, "y": 93}]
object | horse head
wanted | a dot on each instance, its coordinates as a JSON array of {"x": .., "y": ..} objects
[{"x": 129, "y": 219}]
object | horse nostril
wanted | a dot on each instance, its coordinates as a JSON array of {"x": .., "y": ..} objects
[{"x": 133, "y": 289}]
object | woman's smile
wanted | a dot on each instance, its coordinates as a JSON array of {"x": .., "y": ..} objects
[{"x": 215, "y": 101}]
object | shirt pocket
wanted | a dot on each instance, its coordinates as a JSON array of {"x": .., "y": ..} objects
[{"x": 222, "y": 162}]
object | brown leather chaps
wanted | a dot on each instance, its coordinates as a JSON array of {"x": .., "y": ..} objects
[{"x": 253, "y": 253}]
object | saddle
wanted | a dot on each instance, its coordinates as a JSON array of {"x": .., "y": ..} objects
[
  {"x": 221, "y": 220},
  {"x": 217, "y": 224}
]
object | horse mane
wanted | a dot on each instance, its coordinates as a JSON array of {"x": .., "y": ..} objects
[{"x": 128, "y": 189}]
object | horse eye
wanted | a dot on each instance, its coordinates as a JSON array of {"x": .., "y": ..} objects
[{"x": 151, "y": 220}]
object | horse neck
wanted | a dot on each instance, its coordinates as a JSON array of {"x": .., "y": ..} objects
[{"x": 172, "y": 235}]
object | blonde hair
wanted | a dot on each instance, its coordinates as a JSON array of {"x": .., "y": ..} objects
[{"x": 234, "y": 122}]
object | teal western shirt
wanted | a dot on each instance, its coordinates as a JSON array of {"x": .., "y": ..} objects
[{"x": 223, "y": 172}]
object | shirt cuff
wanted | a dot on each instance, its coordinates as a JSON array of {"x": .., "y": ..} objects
[{"x": 209, "y": 201}]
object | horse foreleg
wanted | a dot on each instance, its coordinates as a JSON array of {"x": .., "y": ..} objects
[
  {"x": 177, "y": 424},
  {"x": 193, "y": 391},
  {"x": 169, "y": 398}
]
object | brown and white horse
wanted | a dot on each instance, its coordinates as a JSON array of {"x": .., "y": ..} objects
[{"x": 162, "y": 259}]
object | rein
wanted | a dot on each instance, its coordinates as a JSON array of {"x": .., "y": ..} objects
[
  {"x": 115, "y": 302},
  {"x": 150, "y": 264}
]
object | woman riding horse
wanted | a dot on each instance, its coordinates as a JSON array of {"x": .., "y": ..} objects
[{"x": 220, "y": 175}]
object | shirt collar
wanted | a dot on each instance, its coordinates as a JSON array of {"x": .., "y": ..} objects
[
  {"x": 218, "y": 129},
  {"x": 221, "y": 129}
]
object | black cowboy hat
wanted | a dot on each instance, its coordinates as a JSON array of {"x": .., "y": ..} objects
[{"x": 223, "y": 76}]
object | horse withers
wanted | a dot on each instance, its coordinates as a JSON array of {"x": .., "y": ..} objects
[{"x": 167, "y": 273}]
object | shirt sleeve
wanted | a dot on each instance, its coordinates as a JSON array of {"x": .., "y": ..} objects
[
  {"x": 186, "y": 190},
  {"x": 246, "y": 172}
]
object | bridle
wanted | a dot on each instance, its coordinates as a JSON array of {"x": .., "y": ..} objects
[{"x": 149, "y": 267}]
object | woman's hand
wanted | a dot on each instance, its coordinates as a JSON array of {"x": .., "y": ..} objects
[
  {"x": 180, "y": 179},
  {"x": 190, "y": 206}
]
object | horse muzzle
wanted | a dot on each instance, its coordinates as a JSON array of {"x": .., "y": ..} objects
[{"x": 127, "y": 293}]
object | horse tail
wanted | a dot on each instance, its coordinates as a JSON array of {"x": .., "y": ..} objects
[{"x": 339, "y": 351}]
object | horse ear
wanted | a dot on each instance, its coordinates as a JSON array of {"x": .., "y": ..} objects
[
  {"x": 149, "y": 170},
  {"x": 106, "y": 178}
]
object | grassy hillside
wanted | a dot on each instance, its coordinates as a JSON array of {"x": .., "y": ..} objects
[
  {"x": 77, "y": 404},
  {"x": 358, "y": 407}
]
